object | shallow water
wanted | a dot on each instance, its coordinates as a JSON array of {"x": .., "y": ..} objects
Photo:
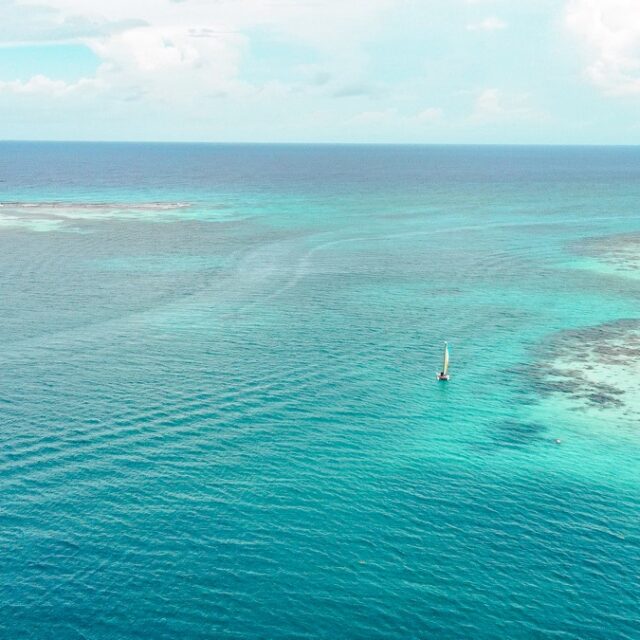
[{"x": 219, "y": 413}]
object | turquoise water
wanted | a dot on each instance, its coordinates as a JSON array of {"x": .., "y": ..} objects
[{"x": 219, "y": 414}]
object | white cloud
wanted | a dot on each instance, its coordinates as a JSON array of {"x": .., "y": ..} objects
[
  {"x": 610, "y": 31},
  {"x": 375, "y": 117},
  {"x": 488, "y": 24},
  {"x": 432, "y": 114},
  {"x": 393, "y": 118},
  {"x": 42, "y": 85},
  {"x": 493, "y": 105},
  {"x": 25, "y": 23},
  {"x": 356, "y": 90},
  {"x": 170, "y": 63},
  {"x": 325, "y": 24},
  {"x": 183, "y": 51}
]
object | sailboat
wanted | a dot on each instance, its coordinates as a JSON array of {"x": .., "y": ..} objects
[{"x": 444, "y": 374}]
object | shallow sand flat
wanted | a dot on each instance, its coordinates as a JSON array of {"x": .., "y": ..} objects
[
  {"x": 592, "y": 375},
  {"x": 53, "y": 216},
  {"x": 595, "y": 371}
]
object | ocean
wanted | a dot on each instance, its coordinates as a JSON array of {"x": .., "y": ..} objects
[{"x": 219, "y": 416}]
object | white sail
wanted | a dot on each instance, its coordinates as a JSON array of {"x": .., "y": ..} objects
[{"x": 445, "y": 366}]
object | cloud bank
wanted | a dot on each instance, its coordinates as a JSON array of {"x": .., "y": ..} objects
[
  {"x": 610, "y": 33},
  {"x": 406, "y": 70}
]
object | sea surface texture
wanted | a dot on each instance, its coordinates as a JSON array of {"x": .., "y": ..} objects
[{"x": 219, "y": 416}]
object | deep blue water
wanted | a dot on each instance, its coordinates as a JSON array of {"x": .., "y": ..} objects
[{"x": 218, "y": 409}]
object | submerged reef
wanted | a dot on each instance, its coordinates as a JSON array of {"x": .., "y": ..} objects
[
  {"x": 619, "y": 252},
  {"x": 595, "y": 367}
]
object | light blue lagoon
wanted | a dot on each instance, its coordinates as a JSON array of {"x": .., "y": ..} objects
[{"x": 218, "y": 409}]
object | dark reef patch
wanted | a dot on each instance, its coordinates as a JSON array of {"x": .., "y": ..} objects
[
  {"x": 515, "y": 434},
  {"x": 596, "y": 367},
  {"x": 621, "y": 251}
]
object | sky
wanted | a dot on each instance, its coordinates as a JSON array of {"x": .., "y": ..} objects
[{"x": 373, "y": 71}]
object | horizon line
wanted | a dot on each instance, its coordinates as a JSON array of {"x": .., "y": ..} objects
[{"x": 324, "y": 143}]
